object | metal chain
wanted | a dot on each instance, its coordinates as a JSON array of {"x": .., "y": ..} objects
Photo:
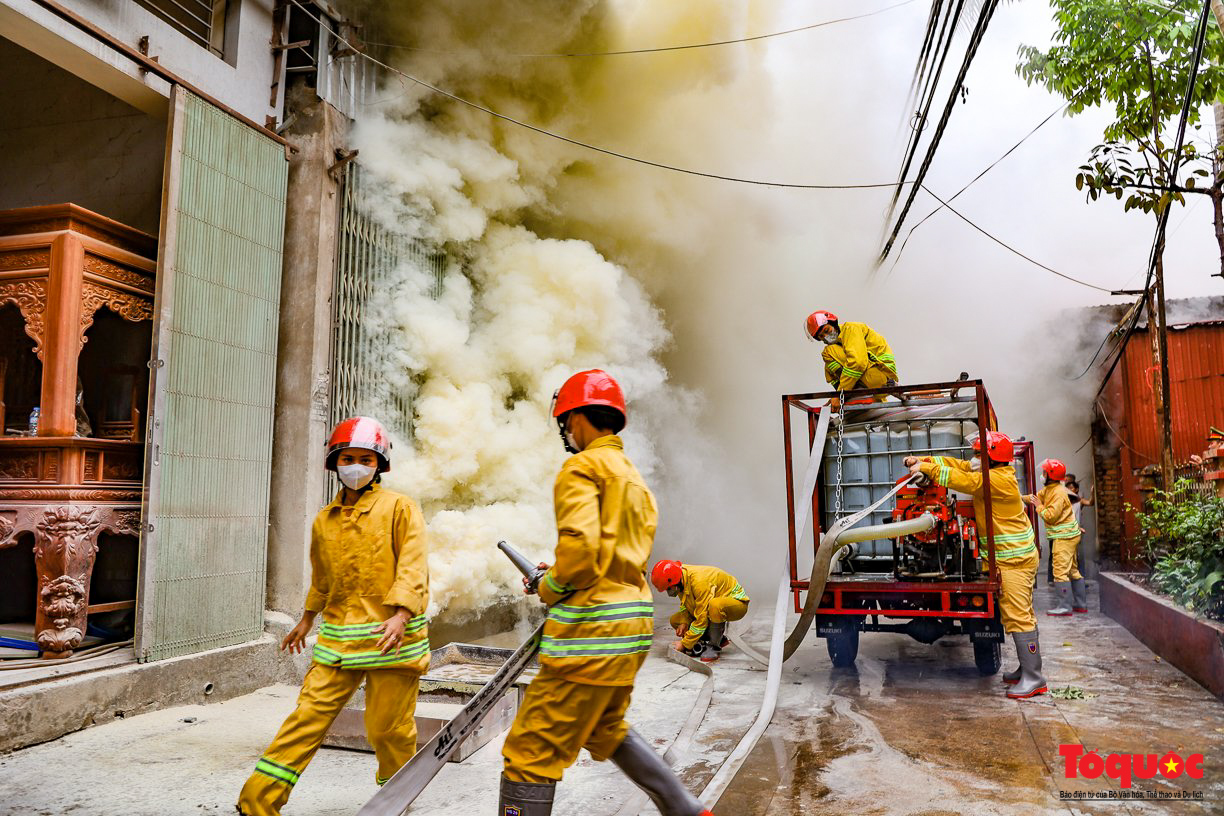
[{"x": 837, "y": 495}]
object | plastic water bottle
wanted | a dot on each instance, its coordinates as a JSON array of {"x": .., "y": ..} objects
[{"x": 34, "y": 421}]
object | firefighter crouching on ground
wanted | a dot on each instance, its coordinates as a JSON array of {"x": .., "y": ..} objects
[
  {"x": 1015, "y": 546},
  {"x": 1063, "y": 530},
  {"x": 370, "y": 580},
  {"x": 600, "y": 617},
  {"x": 709, "y": 599},
  {"x": 855, "y": 355}
]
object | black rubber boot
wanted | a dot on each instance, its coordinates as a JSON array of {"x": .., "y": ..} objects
[
  {"x": 650, "y": 773},
  {"x": 526, "y": 798}
]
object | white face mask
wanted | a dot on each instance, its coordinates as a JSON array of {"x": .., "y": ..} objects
[
  {"x": 355, "y": 477},
  {"x": 975, "y": 463},
  {"x": 571, "y": 443},
  {"x": 829, "y": 339}
]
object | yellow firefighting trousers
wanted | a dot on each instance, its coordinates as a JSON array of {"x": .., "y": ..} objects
[
  {"x": 389, "y": 719},
  {"x": 1064, "y": 554},
  {"x": 721, "y": 610},
  {"x": 1016, "y": 598},
  {"x": 558, "y": 718}
]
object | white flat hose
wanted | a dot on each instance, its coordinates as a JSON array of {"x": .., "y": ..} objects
[{"x": 781, "y": 646}]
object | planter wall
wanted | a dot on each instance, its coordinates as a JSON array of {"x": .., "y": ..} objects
[{"x": 1194, "y": 645}]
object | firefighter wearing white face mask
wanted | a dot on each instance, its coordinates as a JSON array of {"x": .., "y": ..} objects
[
  {"x": 855, "y": 355},
  {"x": 370, "y": 581}
]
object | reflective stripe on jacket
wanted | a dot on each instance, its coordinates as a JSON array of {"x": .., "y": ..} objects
[
  {"x": 1057, "y": 512},
  {"x": 366, "y": 560},
  {"x": 702, "y": 585},
  {"x": 606, "y": 519},
  {"x": 1013, "y": 534},
  {"x": 859, "y": 348}
]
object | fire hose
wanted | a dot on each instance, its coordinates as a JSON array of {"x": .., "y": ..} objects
[{"x": 781, "y": 648}]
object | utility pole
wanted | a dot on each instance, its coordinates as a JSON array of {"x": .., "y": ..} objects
[{"x": 1158, "y": 330}]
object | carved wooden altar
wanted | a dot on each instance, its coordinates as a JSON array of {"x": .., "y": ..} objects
[{"x": 61, "y": 265}]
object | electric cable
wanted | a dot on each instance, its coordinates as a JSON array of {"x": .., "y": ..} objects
[
  {"x": 975, "y": 42},
  {"x": 1119, "y": 55},
  {"x": 596, "y": 148},
  {"x": 1009, "y": 247},
  {"x": 1162, "y": 220},
  {"x": 660, "y": 49}
]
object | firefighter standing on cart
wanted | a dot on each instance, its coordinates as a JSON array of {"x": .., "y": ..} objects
[
  {"x": 855, "y": 355},
  {"x": 1015, "y": 546},
  {"x": 709, "y": 599},
  {"x": 1063, "y": 530},
  {"x": 370, "y": 580},
  {"x": 600, "y": 618}
]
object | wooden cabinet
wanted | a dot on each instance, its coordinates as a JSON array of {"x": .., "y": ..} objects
[{"x": 76, "y": 309}]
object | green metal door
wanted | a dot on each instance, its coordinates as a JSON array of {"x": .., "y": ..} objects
[{"x": 214, "y": 375}]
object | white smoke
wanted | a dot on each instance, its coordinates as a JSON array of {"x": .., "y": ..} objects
[{"x": 563, "y": 251}]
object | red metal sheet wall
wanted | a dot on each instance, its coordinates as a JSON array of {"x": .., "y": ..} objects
[{"x": 1196, "y": 378}]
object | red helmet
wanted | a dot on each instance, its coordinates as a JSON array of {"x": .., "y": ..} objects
[
  {"x": 999, "y": 447},
  {"x": 360, "y": 432},
  {"x": 592, "y": 387},
  {"x": 817, "y": 320},
  {"x": 666, "y": 574},
  {"x": 1054, "y": 470}
]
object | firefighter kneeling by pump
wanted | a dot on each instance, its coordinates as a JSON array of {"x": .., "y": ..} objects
[{"x": 709, "y": 599}]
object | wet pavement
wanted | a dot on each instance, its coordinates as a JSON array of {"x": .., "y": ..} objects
[
  {"x": 914, "y": 729},
  {"x": 910, "y": 729}
]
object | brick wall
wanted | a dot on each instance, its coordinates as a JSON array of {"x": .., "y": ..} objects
[{"x": 1107, "y": 475}]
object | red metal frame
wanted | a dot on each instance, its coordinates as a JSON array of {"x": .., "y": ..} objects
[{"x": 946, "y": 607}]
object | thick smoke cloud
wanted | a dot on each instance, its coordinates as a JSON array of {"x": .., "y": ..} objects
[{"x": 693, "y": 290}]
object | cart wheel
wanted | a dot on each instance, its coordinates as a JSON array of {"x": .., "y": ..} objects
[
  {"x": 843, "y": 648},
  {"x": 988, "y": 655}
]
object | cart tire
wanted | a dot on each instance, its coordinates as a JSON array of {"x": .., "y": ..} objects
[
  {"x": 843, "y": 648},
  {"x": 988, "y": 655}
]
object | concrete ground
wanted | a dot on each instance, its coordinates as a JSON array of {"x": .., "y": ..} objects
[{"x": 911, "y": 729}]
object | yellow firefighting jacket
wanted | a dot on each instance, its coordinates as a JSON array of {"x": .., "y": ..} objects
[
  {"x": 366, "y": 560},
  {"x": 702, "y": 585},
  {"x": 859, "y": 348},
  {"x": 1057, "y": 512},
  {"x": 1013, "y": 534},
  {"x": 606, "y": 519}
]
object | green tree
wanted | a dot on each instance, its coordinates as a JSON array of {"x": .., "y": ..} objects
[{"x": 1134, "y": 56}]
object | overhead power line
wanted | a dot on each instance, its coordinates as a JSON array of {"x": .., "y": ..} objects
[
  {"x": 1162, "y": 219},
  {"x": 975, "y": 41},
  {"x": 1008, "y": 246},
  {"x": 1114, "y": 57},
  {"x": 586, "y": 145},
  {"x": 661, "y": 49}
]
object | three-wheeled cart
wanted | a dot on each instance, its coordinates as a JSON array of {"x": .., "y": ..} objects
[{"x": 928, "y": 585}]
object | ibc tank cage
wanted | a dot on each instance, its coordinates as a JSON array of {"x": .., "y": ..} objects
[{"x": 936, "y": 419}]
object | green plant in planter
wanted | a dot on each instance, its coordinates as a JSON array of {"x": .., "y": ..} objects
[{"x": 1183, "y": 536}]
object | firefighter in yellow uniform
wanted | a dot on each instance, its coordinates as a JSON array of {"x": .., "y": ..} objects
[
  {"x": 370, "y": 580},
  {"x": 1054, "y": 505},
  {"x": 600, "y": 618},
  {"x": 855, "y": 355},
  {"x": 709, "y": 599},
  {"x": 1015, "y": 546}
]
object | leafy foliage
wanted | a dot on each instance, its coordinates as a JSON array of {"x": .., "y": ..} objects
[
  {"x": 1133, "y": 55},
  {"x": 1183, "y": 534}
]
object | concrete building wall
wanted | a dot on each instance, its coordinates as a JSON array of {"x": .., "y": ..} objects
[
  {"x": 304, "y": 350},
  {"x": 241, "y": 79},
  {"x": 64, "y": 140}
]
